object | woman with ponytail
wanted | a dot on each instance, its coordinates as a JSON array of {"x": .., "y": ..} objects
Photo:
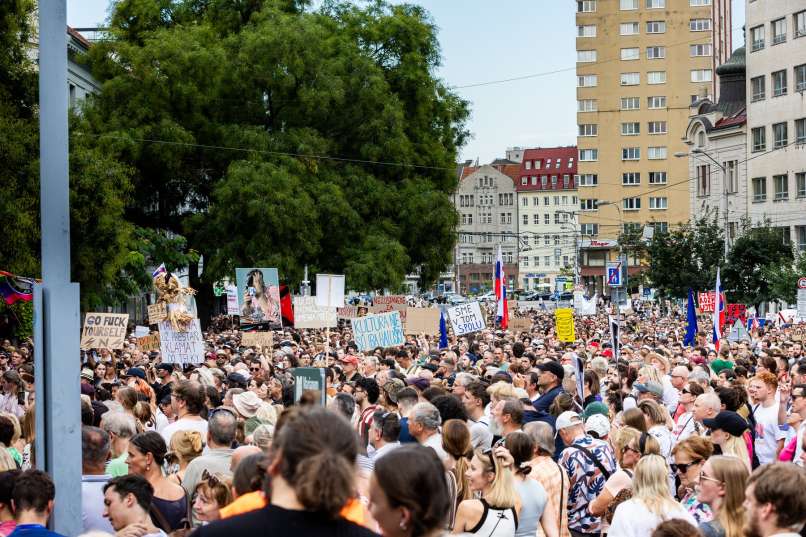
[{"x": 532, "y": 494}]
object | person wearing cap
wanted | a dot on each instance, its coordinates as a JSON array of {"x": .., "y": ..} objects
[
  {"x": 164, "y": 383},
  {"x": 550, "y": 383},
  {"x": 133, "y": 373},
  {"x": 589, "y": 463},
  {"x": 597, "y": 426},
  {"x": 727, "y": 431},
  {"x": 349, "y": 365},
  {"x": 10, "y": 399},
  {"x": 649, "y": 391}
]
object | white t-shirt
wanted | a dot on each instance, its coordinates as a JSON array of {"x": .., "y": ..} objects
[
  {"x": 633, "y": 519},
  {"x": 184, "y": 424},
  {"x": 767, "y": 433}
]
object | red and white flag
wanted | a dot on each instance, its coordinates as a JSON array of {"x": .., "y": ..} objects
[
  {"x": 719, "y": 313},
  {"x": 502, "y": 312}
]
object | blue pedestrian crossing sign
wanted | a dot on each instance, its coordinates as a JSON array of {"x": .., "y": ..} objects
[{"x": 613, "y": 274}]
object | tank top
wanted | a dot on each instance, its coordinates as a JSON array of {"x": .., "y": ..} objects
[
  {"x": 533, "y": 502},
  {"x": 496, "y": 522}
]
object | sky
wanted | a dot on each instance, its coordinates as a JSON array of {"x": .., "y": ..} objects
[{"x": 490, "y": 40}]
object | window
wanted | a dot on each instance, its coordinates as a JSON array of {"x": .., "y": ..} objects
[
  {"x": 546, "y": 219},
  {"x": 800, "y": 23},
  {"x": 700, "y": 50},
  {"x": 781, "y": 185},
  {"x": 586, "y": 30},
  {"x": 758, "y": 87},
  {"x": 630, "y": 129},
  {"x": 759, "y": 139},
  {"x": 656, "y": 153},
  {"x": 586, "y": 56},
  {"x": 800, "y": 131},
  {"x": 588, "y": 155},
  {"x": 778, "y": 31},
  {"x": 589, "y": 204},
  {"x": 779, "y": 83},
  {"x": 629, "y": 28},
  {"x": 547, "y": 260},
  {"x": 655, "y": 4},
  {"x": 656, "y": 77},
  {"x": 528, "y": 164},
  {"x": 800, "y": 184},
  {"x": 630, "y": 103},
  {"x": 701, "y": 75},
  {"x": 554, "y": 183},
  {"x": 590, "y": 230},
  {"x": 630, "y": 153},
  {"x": 586, "y": 6},
  {"x": 587, "y": 81},
  {"x": 534, "y": 180},
  {"x": 658, "y": 203},
  {"x": 630, "y": 178},
  {"x": 756, "y": 38},
  {"x": 657, "y": 178},
  {"x": 586, "y": 105},
  {"x": 656, "y": 27},
  {"x": 703, "y": 180},
  {"x": 536, "y": 201},
  {"x": 535, "y": 219},
  {"x": 524, "y": 200},
  {"x": 700, "y": 25},
  {"x": 628, "y": 54},
  {"x": 588, "y": 129},
  {"x": 657, "y": 127},
  {"x": 759, "y": 188},
  {"x": 800, "y": 77},
  {"x": 698, "y": 3},
  {"x": 504, "y": 218},
  {"x": 628, "y": 5},
  {"x": 779, "y": 135},
  {"x": 631, "y": 204},
  {"x": 661, "y": 227},
  {"x": 654, "y": 103},
  {"x": 566, "y": 182},
  {"x": 732, "y": 173},
  {"x": 588, "y": 179},
  {"x": 655, "y": 53},
  {"x": 556, "y": 221},
  {"x": 630, "y": 79},
  {"x": 801, "y": 237}
]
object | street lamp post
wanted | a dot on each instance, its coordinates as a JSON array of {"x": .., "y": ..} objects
[{"x": 696, "y": 151}]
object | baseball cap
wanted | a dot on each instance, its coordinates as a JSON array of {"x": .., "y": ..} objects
[
  {"x": 598, "y": 424},
  {"x": 552, "y": 367},
  {"x": 728, "y": 421},
  {"x": 650, "y": 387},
  {"x": 135, "y": 372},
  {"x": 349, "y": 359},
  {"x": 596, "y": 407},
  {"x": 569, "y": 418},
  {"x": 165, "y": 367}
]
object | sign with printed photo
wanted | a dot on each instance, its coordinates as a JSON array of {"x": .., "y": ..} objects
[{"x": 258, "y": 298}]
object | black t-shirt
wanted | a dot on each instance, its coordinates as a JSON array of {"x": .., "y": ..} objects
[{"x": 273, "y": 519}]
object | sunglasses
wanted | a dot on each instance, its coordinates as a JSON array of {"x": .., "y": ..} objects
[
  {"x": 708, "y": 478},
  {"x": 210, "y": 478},
  {"x": 683, "y": 468},
  {"x": 254, "y": 369}
]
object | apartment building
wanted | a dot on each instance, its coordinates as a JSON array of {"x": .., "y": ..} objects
[
  {"x": 641, "y": 63},
  {"x": 547, "y": 206},
  {"x": 776, "y": 115}
]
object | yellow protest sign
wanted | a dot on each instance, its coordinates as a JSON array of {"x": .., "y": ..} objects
[{"x": 564, "y": 318}]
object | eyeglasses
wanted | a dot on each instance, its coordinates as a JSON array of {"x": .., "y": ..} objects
[
  {"x": 708, "y": 478},
  {"x": 683, "y": 467}
]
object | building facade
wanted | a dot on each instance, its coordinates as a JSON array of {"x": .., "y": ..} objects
[
  {"x": 717, "y": 156},
  {"x": 80, "y": 82},
  {"x": 547, "y": 205},
  {"x": 776, "y": 115},
  {"x": 641, "y": 63},
  {"x": 488, "y": 217}
]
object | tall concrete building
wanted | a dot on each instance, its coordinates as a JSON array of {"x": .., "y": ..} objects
[
  {"x": 641, "y": 63},
  {"x": 776, "y": 115}
]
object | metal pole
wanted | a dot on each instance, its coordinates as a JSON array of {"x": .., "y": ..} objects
[
  {"x": 57, "y": 323},
  {"x": 725, "y": 195}
]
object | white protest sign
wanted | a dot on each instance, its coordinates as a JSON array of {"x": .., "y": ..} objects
[
  {"x": 583, "y": 306},
  {"x": 330, "y": 290},
  {"x": 181, "y": 347},
  {"x": 307, "y": 314},
  {"x": 141, "y": 331},
  {"x": 382, "y": 330},
  {"x": 232, "y": 300},
  {"x": 466, "y": 318}
]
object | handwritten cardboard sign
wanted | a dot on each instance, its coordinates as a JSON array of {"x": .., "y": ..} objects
[
  {"x": 104, "y": 331},
  {"x": 520, "y": 324},
  {"x": 422, "y": 321},
  {"x": 148, "y": 343},
  {"x": 308, "y": 314},
  {"x": 382, "y": 330},
  {"x": 260, "y": 340},
  {"x": 389, "y": 299},
  {"x": 466, "y": 318},
  {"x": 157, "y": 313},
  {"x": 181, "y": 347}
]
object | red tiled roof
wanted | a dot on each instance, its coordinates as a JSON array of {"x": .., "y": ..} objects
[
  {"x": 510, "y": 170},
  {"x": 740, "y": 118},
  {"x": 78, "y": 37},
  {"x": 567, "y": 156}
]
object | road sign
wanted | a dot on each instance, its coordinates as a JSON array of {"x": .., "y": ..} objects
[
  {"x": 613, "y": 273},
  {"x": 801, "y": 303},
  {"x": 802, "y": 282}
]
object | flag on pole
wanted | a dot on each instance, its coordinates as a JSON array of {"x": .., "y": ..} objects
[
  {"x": 14, "y": 288},
  {"x": 719, "y": 313},
  {"x": 502, "y": 312},
  {"x": 160, "y": 270},
  {"x": 443, "y": 331},
  {"x": 691, "y": 321}
]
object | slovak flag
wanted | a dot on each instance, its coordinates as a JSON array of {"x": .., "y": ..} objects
[
  {"x": 719, "y": 313},
  {"x": 160, "y": 270},
  {"x": 502, "y": 312}
]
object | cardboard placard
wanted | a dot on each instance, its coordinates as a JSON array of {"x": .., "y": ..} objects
[
  {"x": 260, "y": 340},
  {"x": 422, "y": 321},
  {"x": 148, "y": 343},
  {"x": 104, "y": 331},
  {"x": 564, "y": 318},
  {"x": 520, "y": 324},
  {"x": 308, "y": 314},
  {"x": 349, "y": 312},
  {"x": 157, "y": 313},
  {"x": 181, "y": 347},
  {"x": 330, "y": 290},
  {"x": 389, "y": 299},
  {"x": 383, "y": 330},
  {"x": 466, "y": 318}
]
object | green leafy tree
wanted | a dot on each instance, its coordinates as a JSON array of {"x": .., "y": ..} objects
[{"x": 783, "y": 278}]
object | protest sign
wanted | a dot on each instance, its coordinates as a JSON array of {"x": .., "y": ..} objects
[
  {"x": 104, "y": 331},
  {"x": 384, "y": 308},
  {"x": 520, "y": 324},
  {"x": 310, "y": 379},
  {"x": 258, "y": 295},
  {"x": 257, "y": 339},
  {"x": 232, "y": 300},
  {"x": 564, "y": 318},
  {"x": 307, "y": 314},
  {"x": 734, "y": 312},
  {"x": 466, "y": 318},
  {"x": 389, "y": 299},
  {"x": 584, "y": 306},
  {"x": 422, "y": 321},
  {"x": 348, "y": 312},
  {"x": 148, "y": 343},
  {"x": 140, "y": 331},
  {"x": 382, "y": 330},
  {"x": 707, "y": 300},
  {"x": 330, "y": 290},
  {"x": 157, "y": 313},
  {"x": 181, "y": 347}
]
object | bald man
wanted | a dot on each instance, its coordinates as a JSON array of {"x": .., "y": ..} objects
[{"x": 241, "y": 453}]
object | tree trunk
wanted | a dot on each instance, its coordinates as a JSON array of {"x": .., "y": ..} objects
[{"x": 204, "y": 295}]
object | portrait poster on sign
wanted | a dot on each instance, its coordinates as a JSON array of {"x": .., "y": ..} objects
[
  {"x": 258, "y": 298},
  {"x": 104, "y": 331},
  {"x": 564, "y": 318},
  {"x": 308, "y": 314},
  {"x": 466, "y": 318},
  {"x": 382, "y": 330},
  {"x": 181, "y": 347}
]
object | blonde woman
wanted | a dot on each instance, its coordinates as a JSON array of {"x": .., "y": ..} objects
[
  {"x": 495, "y": 514},
  {"x": 722, "y": 484},
  {"x": 651, "y": 501},
  {"x": 185, "y": 446},
  {"x": 727, "y": 431}
]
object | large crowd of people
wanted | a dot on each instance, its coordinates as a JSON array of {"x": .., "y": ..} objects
[{"x": 499, "y": 433}]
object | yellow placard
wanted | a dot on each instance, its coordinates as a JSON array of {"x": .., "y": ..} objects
[
  {"x": 564, "y": 318},
  {"x": 149, "y": 343}
]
